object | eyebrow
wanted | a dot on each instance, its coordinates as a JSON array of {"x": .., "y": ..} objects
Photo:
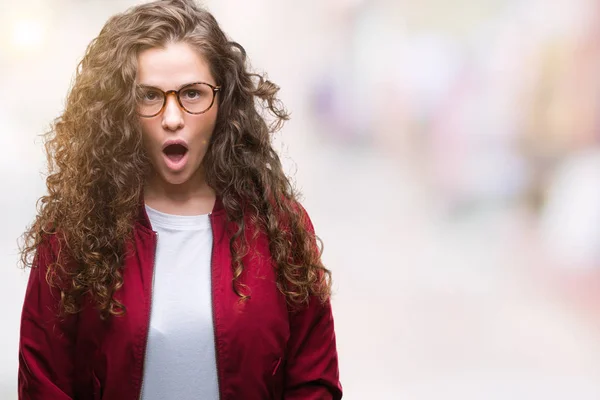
[{"x": 156, "y": 87}]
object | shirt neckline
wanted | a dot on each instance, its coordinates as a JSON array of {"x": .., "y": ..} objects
[{"x": 174, "y": 221}]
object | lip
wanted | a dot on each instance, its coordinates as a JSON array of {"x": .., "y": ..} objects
[{"x": 175, "y": 141}]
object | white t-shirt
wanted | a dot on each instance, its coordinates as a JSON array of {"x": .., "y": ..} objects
[{"x": 180, "y": 356}]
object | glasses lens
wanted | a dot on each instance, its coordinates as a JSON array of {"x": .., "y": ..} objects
[
  {"x": 196, "y": 98},
  {"x": 149, "y": 101}
]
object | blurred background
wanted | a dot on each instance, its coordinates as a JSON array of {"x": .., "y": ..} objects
[{"x": 449, "y": 156}]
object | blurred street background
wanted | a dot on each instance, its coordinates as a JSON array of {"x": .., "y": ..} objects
[{"x": 449, "y": 157}]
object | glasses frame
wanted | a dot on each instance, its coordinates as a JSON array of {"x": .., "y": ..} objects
[{"x": 215, "y": 90}]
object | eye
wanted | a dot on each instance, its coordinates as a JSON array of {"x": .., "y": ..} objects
[
  {"x": 150, "y": 96},
  {"x": 191, "y": 94}
]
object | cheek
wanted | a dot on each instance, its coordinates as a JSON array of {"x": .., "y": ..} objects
[
  {"x": 212, "y": 124},
  {"x": 147, "y": 133},
  {"x": 204, "y": 128}
]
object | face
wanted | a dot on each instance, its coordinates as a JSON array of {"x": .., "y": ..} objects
[{"x": 171, "y": 68}]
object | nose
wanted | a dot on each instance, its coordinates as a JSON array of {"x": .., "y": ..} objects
[{"x": 172, "y": 118}]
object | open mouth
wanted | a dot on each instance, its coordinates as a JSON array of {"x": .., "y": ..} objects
[{"x": 175, "y": 152}]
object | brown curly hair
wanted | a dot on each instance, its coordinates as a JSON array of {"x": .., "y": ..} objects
[{"x": 97, "y": 165}]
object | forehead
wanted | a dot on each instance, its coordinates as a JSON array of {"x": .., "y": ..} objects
[{"x": 172, "y": 66}]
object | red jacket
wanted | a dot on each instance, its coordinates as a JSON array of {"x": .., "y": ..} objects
[{"x": 264, "y": 349}]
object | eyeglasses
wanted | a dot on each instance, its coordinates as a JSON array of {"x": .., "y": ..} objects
[{"x": 194, "y": 98}]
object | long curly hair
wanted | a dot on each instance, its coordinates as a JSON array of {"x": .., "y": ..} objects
[{"x": 97, "y": 164}]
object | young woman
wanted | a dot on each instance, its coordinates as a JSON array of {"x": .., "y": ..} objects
[{"x": 171, "y": 258}]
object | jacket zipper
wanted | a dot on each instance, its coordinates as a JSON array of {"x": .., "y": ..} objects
[
  {"x": 149, "y": 313},
  {"x": 212, "y": 292}
]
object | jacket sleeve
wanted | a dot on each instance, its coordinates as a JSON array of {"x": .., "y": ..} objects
[
  {"x": 46, "y": 343},
  {"x": 312, "y": 366},
  {"x": 312, "y": 371}
]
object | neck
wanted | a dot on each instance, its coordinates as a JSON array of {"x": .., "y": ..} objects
[{"x": 192, "y": 197}]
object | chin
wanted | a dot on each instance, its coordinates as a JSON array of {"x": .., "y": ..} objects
[{"x": 175, "y": 180}]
